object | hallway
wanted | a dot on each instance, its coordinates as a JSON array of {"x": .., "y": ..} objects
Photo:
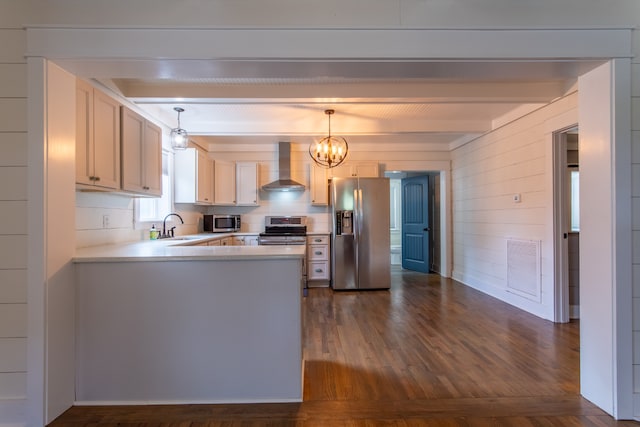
[{"x": 428, "y": 352}]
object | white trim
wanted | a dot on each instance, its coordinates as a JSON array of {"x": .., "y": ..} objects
[
  {"x": 561, "y": 309},
  {"x": 622, "y": 239},
  {"x": 181, "y": 402},
  {"x": 36, "y": 261},
  {"x": 311, "y": 44}
]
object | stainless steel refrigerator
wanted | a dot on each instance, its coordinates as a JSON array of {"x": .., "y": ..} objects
[{"x": 360, "y": 237}]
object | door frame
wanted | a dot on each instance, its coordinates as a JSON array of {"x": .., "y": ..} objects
[{"x": 560, "y": 243}]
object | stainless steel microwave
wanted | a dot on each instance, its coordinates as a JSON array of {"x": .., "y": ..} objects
[{"x": 221, "y": 223}]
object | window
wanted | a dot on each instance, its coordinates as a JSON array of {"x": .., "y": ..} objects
[
  {"x": 395, "y": 208},
  {"x": 574, "y": 206},
  {"x": 150, "y": 211}
]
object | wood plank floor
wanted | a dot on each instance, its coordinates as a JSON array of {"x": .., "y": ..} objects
[{"x": 429, "y": 352}]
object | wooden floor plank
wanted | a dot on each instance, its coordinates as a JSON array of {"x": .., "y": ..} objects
[{"x": 430, "y": 351}]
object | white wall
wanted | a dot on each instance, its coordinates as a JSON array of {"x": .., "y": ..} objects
[
  {"x": 13, "y": 222},
  {"x": 486, "y": 174},
  {"x": 635, "y": 158}
]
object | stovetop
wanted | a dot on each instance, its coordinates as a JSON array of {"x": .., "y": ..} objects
[
  {"x": 285, "y": 226},
  {"x": 284, "y": 230}
]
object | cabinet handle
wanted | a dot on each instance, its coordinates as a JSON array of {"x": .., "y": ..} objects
[
  {"x": 318, "y": 252},
  {"x": 96, "y": 178},
  {"x": 318, "y": 270},
  {"x": 318, "y": 240}
]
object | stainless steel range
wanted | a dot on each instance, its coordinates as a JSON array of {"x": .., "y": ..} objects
[{"x": 284, "y": 230}]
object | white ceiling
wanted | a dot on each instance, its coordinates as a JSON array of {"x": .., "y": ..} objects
[{"x": 263, "y": 102}]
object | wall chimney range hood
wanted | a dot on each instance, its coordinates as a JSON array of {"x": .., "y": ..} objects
[{"x": 284, "y": 181}]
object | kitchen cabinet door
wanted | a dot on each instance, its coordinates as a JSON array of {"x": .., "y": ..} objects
[
  {"x": 360, "y": 169},
  {"x": 250, "y": 240},
  {"x": 97, "y": 138},
  {"x": 204, "y": 179},
  {"x": 319, "y": 186},
  {"x": 247, "y": 183},
  {"x": 224, "y": 182},
  {"x": 193, "y": 177},
  {"x": 141, "y": 155}
]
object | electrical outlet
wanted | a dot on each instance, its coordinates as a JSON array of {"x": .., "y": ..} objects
[{"x": 106, "y": 221}]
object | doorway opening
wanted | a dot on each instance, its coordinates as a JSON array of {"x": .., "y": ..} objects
[
  {"x": 566, "y": 182},
  {"x": 415, "y": 233}
]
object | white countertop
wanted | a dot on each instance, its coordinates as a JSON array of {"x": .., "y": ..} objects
[{"x": 178, "y": 249}]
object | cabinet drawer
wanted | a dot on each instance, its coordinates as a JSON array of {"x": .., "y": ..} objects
[
  {"x": 318, "y": 252},
  {"x": 318, "y": 270},
  {"x": 318, "y": 240}
]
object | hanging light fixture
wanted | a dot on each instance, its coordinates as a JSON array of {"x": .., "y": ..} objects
[
  {"x": 330, "y": 151},
  {"x": 179, "y": 136}
]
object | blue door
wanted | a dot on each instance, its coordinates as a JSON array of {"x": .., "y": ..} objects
[{"x": 415, "y": 224}]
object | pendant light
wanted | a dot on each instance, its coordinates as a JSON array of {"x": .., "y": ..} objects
[
  {"x": 330, "y": 151},
  {"x": 179, "y": 136}
]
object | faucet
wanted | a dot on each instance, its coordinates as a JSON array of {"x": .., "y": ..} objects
[{"x": 164, "y": 234}]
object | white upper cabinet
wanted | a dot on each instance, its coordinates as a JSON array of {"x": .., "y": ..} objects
[
  {"x": 319, "y": 186},
  {"x": 97, "y": 138},
  {"x": 224, "y": 182},
  {"x": 236, "y": 183},
  {"x": 247, "y": 183},
  {"x": 141, "y": 154},
  {"x": 362, "y": 169},
  {"x": 193, "y": 177}
]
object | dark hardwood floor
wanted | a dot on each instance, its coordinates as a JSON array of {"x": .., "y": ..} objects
[{"x": 428, "y": 352}]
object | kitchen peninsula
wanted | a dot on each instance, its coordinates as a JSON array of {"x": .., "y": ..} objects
[{"x": 172, "y": 321}]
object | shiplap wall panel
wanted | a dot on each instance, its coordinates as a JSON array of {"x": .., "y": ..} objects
[
  {"x": 13, "y": 320},
  {"x": 13, "y": 149},
  {"x": 14, "y": 355},
  {"x": 14, "y": 45},
  {"x": 13, "y": 205},
  {"x": 486, "y": 174},
  {"x": 13, "y": 252},
  {"x": 13, "y": 385},
  {"x": 13, "y": 114},
  {"x": 14, "y": 84},
  {"x": 14, "y": 183},
  {"x": 14, "y": 220},
  {"x": 13, "y": 286},
  {"x": 635, "y": 159}
]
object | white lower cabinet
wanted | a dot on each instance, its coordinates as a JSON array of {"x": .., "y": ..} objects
[
  {"x": 251, "y": 240},
  {"x": 318, "y": 260}
]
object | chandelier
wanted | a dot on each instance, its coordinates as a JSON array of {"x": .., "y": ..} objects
[
  {"x": 179, "y": 136},
  {"x": 330, "y": 151}
]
